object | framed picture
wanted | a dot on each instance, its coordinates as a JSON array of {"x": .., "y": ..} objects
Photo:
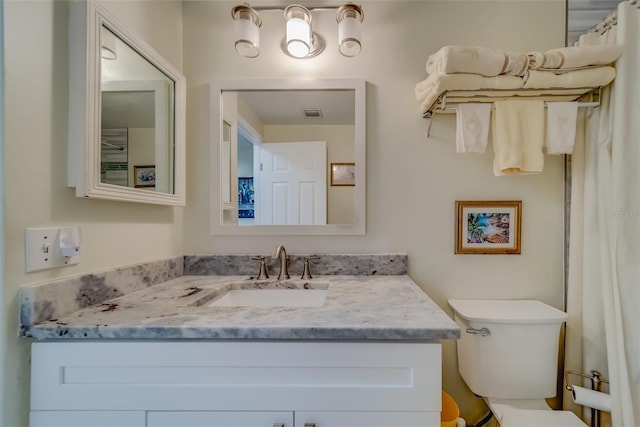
[
  {"x": 488, "y": 227},
  {"x": 145, "y": 176},
  {"x": 343, "y": 174},
  {"x": 246, "y": 202}
]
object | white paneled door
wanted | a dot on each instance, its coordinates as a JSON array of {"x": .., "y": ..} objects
[{"x": 292, "y": 182}]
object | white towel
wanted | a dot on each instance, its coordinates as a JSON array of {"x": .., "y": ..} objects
[
  {"x": 472, "y": 127},
  {"x": 476, "y": 60},
  {"x": 577, "y": 57},
  {"x": 590, "y": 77},
  {"x": 428, "y": 90},
  {"x": 561, "y": 127},
  {"x": 518, "y": 136},
  {"x": 467, "y": 59}
]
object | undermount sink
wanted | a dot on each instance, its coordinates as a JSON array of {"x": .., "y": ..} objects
[{"x": 288, "y": 293}]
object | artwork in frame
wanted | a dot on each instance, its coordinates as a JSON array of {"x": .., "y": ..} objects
[
  {"x": 145, "y": 176},
  {"x": 488, "y": 227},
  {"x": 343, "y": 174},
  {"x": 246, "y": 201}
]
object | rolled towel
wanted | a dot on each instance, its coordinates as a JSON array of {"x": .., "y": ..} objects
[
  {"x": 428, "y": 90},
  {"x": 590, "y": 77},
  {"x": 517, "y": 64},
  {"x": 535, "y": 60},
  {"x": 518, "y": 136},
  {"x": 578, "y": 57},
  {"x": 472, "y": 127},
  {"x": 561, "y": 127},
  {"x": 467, "y": 59},
  {"x": 552, "y": 59}
]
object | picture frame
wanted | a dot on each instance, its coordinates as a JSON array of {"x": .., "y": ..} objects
[
  {"x": 343, "y": 174},
  {"x": 246, "y": 198},
  {"x": 488, "y": 227},
  {"x": 144, "y": 176}
]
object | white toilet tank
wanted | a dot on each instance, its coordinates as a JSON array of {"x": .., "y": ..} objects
[{"x": 517, "y": 357}]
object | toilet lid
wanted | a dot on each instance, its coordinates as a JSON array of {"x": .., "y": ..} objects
[{"x": 513, "y": 417}]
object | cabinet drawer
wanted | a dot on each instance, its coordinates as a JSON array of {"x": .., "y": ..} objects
[
  {"x": 367, "y": 419},
  {"x": 236, "y": 376},
  {"x": 219, "y": 419},
  {"x": 87, "y": 419}
]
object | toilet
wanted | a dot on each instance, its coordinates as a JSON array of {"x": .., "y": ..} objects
[{"x": 508, "y": 355}]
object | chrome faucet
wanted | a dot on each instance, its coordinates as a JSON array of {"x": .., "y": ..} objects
[{"x": 281, "y": 253}]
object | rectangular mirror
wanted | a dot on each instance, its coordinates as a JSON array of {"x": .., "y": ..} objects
[
  {"x": 284, "y": 136},
  {"x": 127, "y": 113}
]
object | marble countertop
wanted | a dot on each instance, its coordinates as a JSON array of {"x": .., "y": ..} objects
[{"x": 375, "y": 307}]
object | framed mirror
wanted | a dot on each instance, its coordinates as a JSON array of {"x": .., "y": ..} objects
[
  {"x": 273, "y": 144},
  {"x": 127, "y": 113}
]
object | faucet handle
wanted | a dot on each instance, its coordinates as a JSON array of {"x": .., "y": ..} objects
[
  {"x": 306, "y": 273},
  {"x": 263, "y": 268}
]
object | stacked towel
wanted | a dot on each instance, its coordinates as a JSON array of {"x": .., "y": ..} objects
[
  {"x": 576, "y": 57},
  {"x": 476, "y": 60},
  {"x": 428, "y": 90},
  {"x": 518, "y": 125},
  {"x": 472, "y": 127},
  {"x": 590, "y": 77},
  {"x": 561, "y": 127},
  {"x": 518, "y": 137}
]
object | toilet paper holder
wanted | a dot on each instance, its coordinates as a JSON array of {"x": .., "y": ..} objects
[
  {"x": 596, "y": 384},
  {"x": 595, "y": 377}
]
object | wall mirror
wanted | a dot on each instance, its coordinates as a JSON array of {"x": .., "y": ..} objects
[
  {"x": 273, "y": 144},
  {"x": 127, "y": 113}
]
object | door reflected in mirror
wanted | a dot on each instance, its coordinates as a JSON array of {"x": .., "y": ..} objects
[
  {"x": 284, "y": 136},
  {"x": 286, "y": 141},
  {"x": 136, "y": 127}
]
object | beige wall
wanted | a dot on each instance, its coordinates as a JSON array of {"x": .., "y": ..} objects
[
  {"x": 412, "y": 182},
  {"x": 114, "y": 233}
]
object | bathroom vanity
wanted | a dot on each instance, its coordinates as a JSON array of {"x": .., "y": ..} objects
[{"x": 366, "y": 354}]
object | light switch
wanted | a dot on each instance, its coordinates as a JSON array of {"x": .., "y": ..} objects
[{"x": 51, "y": 247}]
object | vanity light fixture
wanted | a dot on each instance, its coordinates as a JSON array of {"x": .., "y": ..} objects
[
  {"x": 349, "y": 19},
  {"x": 300, "y": 41},
  {"x": 247, "y": 25}
]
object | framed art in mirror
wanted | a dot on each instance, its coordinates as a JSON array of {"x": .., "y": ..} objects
[
  {"x": 343, "y": 174},
  {"x": 127, "y": 108}
]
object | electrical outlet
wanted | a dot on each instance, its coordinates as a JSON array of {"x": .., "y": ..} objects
[{"x": 43, "y": 249}]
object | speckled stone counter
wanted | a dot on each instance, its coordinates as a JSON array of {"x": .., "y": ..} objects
[{"x": 389, "y": 307}]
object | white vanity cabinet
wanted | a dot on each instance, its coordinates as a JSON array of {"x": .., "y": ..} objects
[
  {"x": 289, "y": 419},
  {"x": 189, "y": 383}
]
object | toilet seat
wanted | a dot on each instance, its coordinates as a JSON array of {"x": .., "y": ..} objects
[
  {"x": 530, "y": 413},
  {"x": 514, "y": 417}
]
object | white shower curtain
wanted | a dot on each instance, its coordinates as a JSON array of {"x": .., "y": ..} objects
[{"x": 603, "y": 301}]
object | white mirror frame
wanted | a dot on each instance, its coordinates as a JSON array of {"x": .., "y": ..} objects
[
  {"x": 86, "y": 19},
  {"x": 216, "y": 90}
]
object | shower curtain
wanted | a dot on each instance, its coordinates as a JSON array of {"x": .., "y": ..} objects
[{"x": 603, "y": 300}]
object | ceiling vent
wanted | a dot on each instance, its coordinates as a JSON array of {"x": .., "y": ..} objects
[{"x": 312, "y": 113}]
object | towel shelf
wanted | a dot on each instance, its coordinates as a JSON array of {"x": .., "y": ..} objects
[{"x": 447, "y": 101}]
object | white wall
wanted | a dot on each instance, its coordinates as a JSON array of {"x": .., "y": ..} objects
[
  {"x": 412, "y": 182},
  {"x": 36, "y": 131}
]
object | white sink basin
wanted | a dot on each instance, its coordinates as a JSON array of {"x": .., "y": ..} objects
[{"x": 272, "y": 294}]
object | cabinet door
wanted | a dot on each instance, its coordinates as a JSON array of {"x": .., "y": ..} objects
[
  {"x": 219, "y": 419},
  {"x": 87, "y": 418},
  {"x": 366, "y": 419}
]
